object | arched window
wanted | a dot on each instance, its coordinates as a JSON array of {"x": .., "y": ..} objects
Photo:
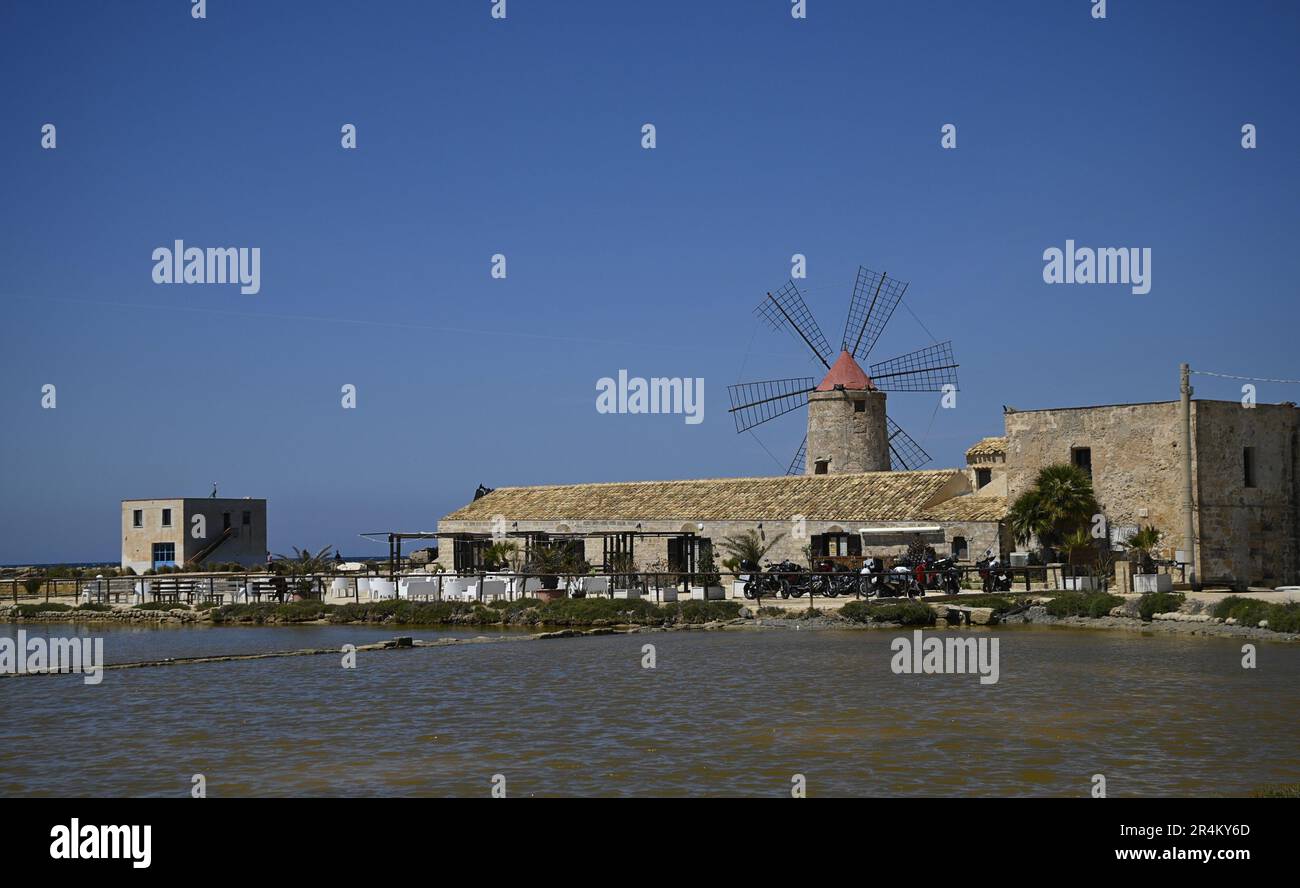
[{"x": 959, "y": 548}]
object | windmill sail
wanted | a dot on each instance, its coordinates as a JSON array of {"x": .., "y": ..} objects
[
  {"x": 927, "y": 369},
  {"x": 800, "y": 461},
  {"x": 787, "y": 309},
  {"x": 875, "y": 296},
  {"x": 754, "y": 403},
  {"x": 903, "y": 449}
]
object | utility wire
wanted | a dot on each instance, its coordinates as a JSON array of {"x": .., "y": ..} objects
[{"x": 1247, "y": 378}]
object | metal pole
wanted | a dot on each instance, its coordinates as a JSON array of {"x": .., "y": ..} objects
[{"x": 1189, "y": 529}]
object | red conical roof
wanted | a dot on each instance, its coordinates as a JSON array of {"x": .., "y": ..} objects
[{"x": 845, "y": 372}]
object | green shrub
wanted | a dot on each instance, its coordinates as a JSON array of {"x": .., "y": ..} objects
[
  {"x": 770, "y": 611},
  {"x": 1283, "y": 617},
  {"x": 94, "y": 607},
  {"x": 31, "y": 610},
  {"x": 262, "y": 612},
  {"x": 1159, "y": 603},
  {"x": 908, "y": 613},
  {"x": 398, "y": 610},
  {"x": 1083, "y": 604},
  {"x": 1246, "y": 611},
  {"x": 695, "y": 612},
  {"x": 157, "y": 606},
  {"x": 600, "y": 611}
]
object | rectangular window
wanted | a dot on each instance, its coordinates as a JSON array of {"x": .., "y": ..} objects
[
  {"x": 137, "y": 518},
  {"x": 248, "y": 519},
  {"x": 836, "y": 545},
  {"x": 225, "y": 521},
  {"x": 164, "y": 554},
  {"x": 167, "y": 518},
  {"x": 983, "y": 477},
  {"x": 859, "y": 406},
  {"x": 1248, "y": 464},
  {"x": 1082, "y": 458}
]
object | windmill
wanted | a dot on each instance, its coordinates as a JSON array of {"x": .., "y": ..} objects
[{"x": 848, "y": 429}]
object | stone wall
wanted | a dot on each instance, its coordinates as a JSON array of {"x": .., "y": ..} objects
[
  {"x": 1244, "y": 535},
  {"x": 852, "y": 440},
  {"x": 1248, "y": 534},
  {"x": 649, "y": 549},
  {"x": 1136, "y": 458}
]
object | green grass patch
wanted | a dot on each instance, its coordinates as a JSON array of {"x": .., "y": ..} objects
[
  {"x": 158, "y": 606},
  {"x": 908, "y": 613},
  {"x": 94, "y": 607},
  {"x": 1083, "y": 604}
]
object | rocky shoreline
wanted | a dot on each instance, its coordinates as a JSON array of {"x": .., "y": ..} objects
[{"x": 1177, "y": 623}]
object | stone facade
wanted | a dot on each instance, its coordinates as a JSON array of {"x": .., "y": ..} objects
[
  {"x": 144, "y": 525},
  {"x": 1245, "y": 535},
  {"x": 847, "y": 432}
]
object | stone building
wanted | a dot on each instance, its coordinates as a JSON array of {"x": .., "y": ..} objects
[
  {"x": 161, "y": 532},
  {"x": 847, "y": 428},
  {"x": 1245, "y": 487},
  {"x": 1246, "y": 490},
  {"x": 673, "y": 523}
]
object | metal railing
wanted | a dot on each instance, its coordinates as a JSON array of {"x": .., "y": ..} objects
[{"x": 482, "y": 585}]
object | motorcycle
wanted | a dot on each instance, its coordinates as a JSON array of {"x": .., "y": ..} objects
[
  {"x": 939, "y": 574},
  {"x": 993, "y": 575},
  {"x": 834, "y": 579},
  {"x": 776, "y": 578},
  {"x": 900, "y": 580}
]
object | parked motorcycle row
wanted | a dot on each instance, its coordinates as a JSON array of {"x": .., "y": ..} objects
[{"x": 906, "y": 578}]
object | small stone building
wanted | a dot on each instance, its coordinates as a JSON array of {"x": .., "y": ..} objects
[
  {"x": 166, "y": 532},
  {"x": 1245, "y": 486},
  {"x": 672, "y": 523}
]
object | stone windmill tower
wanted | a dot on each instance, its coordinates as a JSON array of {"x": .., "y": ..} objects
[{"x": 848, "y": 427}]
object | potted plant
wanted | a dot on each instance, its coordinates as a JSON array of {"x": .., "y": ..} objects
[
  {"x": 1145, "y": 578},
  {"x": 706, "y": 585},
  {"x": 549, "y": 562},
  {"x": 1079, "y": 546}
]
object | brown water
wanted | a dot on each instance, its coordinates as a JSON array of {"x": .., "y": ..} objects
[{"x": 734, "y": 713}]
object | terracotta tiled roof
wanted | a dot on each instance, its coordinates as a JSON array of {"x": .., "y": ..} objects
[
  {"x": 996, "y": 446},
  {"x": 870, "y": 496},
  {"x": 846, "y": 372},
  {"x": 969, "y": 508}
]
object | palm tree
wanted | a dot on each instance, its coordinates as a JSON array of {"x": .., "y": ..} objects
[
  {"x": 1060, "y": 501},
  {"x": 500, "y": 554},
  {"x": 304, "y": 565},
  {"x": 749, "y": 546},
  {"x": 1078, "y": 541}
]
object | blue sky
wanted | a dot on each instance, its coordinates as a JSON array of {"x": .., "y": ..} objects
[{"x": 522, "y": 136}]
